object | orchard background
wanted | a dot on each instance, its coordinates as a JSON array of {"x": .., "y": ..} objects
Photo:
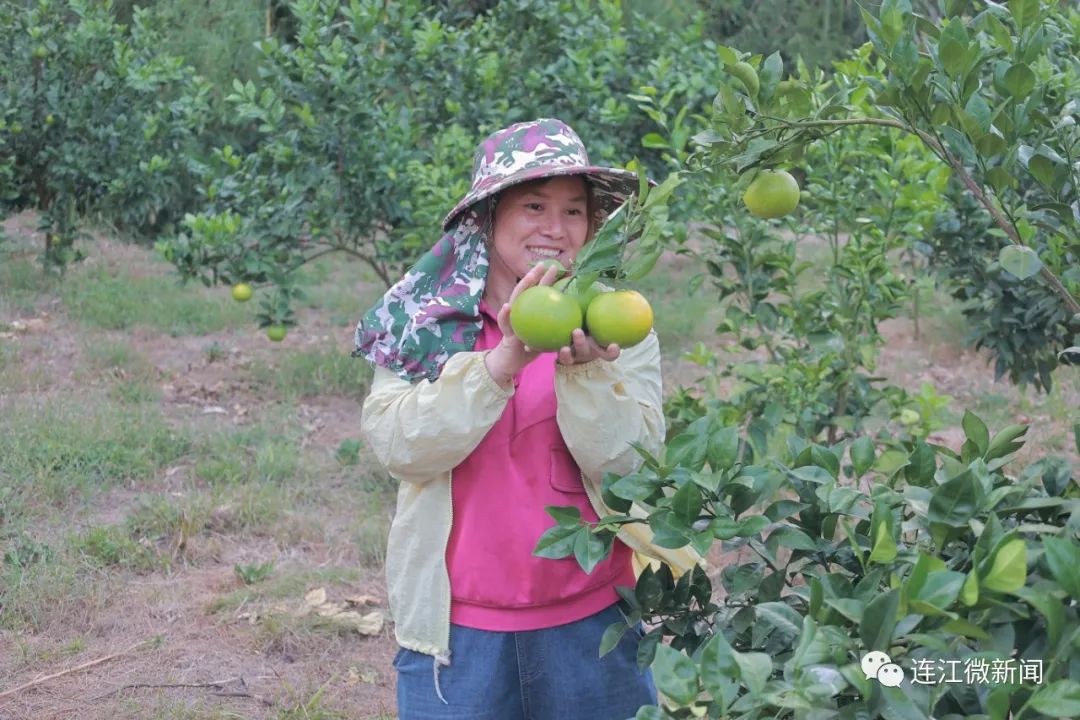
[{"x": 873, "y": 402}]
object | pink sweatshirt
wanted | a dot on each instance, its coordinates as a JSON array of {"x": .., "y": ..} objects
[{"x": 499, "y": 493}]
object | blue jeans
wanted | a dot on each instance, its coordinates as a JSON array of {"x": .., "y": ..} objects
[{"x": 550, "y": 674}]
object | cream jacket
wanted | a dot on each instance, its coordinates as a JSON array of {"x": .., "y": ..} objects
[{"x": 421, "y": 431}]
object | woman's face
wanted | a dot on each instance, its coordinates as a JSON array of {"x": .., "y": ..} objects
[{"x": 543, "y": 219}]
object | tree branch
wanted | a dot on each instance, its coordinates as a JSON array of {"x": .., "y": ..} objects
[{"x": 969, "y": 182}]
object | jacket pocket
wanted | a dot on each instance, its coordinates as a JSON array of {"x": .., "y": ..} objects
[{"x": 564, "y": 473}]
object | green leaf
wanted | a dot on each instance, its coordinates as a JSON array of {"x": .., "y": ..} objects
[
  {"x": 1051, "y": 608},
  {"x": 569, "y": 516},
  {"x": 812, "y": 474},
  {"x": 960, "y": 626},
  {"x": 556, "y": 542},
  {"x": 783, "y": 509},
  {"x": 979, "y": 112},
  {"x": 1021, "y": 261},
  {"x": 752, "y": 525},
  {"x": 792, "y": 537},
  {"x": 959, "y": 144},
  {"x": 649, "y": 590},
  {"x": 976, "y": 432},
  {"x": 884, "y": 549},
  {"x": 921, "y": 465},
  {"x": 633, "y": 487},
  {"x": 723, "y": 448},
  {"x": 675, "y": 675},
  {"x": 650, "y": 712},
  {"x": 654, "y": 140},
  {"x": 668, "y": 530},
  {"x": 1076, "y": 436},
  {"x": 718, "y": 666},
  {"x": 879, "y": 620},
  {"x": 969, "y": 593},
  {"x": 686, "y": 503},
  {"x": 1024, "y": 12},
  {"x": 690, "y": 447},
  {"x": 612, "y": 635},
  {"x": 590, "y": 548},
  {"x": 1063, "y": 558},
  {"x": 755, "y": 669},
  {"x": 862, "y": 455},
  {"x": 925, "y": 565},
  {"x": 953, "y": 48},
  {"x": 1005, "y": 442},
  {"x": 941, "y": 588},
  {"x": 1043, "y": 169},
  {"x": 1058, "y": 699},
  {"x": 1009, "y": 569},
  {"x": 954, "y": 501},
  {"x": 769, "y": 75},
  {"x": 1019, "y": 80}
]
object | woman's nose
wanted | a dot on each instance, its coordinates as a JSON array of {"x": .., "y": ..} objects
[{"x": 553, "y": 225}]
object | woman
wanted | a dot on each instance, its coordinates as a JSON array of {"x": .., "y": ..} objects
[{"x": 484, "y": 433}]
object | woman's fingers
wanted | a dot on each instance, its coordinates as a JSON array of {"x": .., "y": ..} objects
[
  {"x": 583, "y": 349},
  {"x": 551, "y": 274}
]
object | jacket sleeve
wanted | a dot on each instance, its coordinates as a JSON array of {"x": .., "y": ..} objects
[
  {"x": 604, "y": 405},
  {"x": 421, "y": 430}
]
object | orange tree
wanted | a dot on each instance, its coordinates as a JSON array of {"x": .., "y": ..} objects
[
  {"x": 956, "y": 563},
  {"x": 93, "y": 120},
  {"x": 367, "y": 122},
  {"x": 991, "y": 93}
]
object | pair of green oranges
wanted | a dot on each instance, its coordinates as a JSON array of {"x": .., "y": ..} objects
[{"x": 545, "y": 316}]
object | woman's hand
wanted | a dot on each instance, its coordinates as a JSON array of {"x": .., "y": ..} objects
[
  {"x": 583, "y": 349},
  {"x": 506, "y": 359}
]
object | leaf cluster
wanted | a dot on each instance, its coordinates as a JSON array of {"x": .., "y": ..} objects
[{"x": 902, "y": 546}]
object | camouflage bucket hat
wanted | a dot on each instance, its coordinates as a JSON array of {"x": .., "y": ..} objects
[{"x": 540, "y": 149}]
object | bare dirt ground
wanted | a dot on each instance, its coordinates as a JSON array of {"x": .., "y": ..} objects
[{"x": 160, "y": 644}]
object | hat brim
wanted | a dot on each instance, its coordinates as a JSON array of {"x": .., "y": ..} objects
[{"x": 611, "y": 187}]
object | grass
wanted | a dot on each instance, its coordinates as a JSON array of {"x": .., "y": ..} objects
[
  {"x": 99, "y": 298},
  {"x": 22, "y": 284},
  {"x": 51, "y": 592},
  {"x": 267, "y": 452},
  {"x": 342, "y": 292},
  {"x": 309, "y": 373},
  {"x": 288, "y": 582},
  {"x": 56, "y": 449},
  {"x": 135, "y": 379}
]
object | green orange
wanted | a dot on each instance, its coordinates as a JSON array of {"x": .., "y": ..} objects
[
  {"x": 552, "y": 262},
  {"x": 276, "y": 333},
  {"x": 242, "y": 292},
  {"x": 623, "y": 317},
  {"x": 772, "y": 194},
  {"x": 543, "y": 318}
]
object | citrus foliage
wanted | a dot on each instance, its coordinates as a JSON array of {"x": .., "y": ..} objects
[
  {"x": 94, "y": 119},
  {"x": 368, "y": 121},
  {"x": 991, "y": 93},
  {"x": 900, "y": 546}
]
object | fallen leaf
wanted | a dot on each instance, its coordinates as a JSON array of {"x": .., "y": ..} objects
[
  {"x": 362, "y": 600},
  {"x": 312, "y": 600}
]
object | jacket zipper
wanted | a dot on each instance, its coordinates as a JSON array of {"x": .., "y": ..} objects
[{"x": 449, "y": 591}]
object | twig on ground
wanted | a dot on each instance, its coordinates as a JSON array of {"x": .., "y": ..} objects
[
  {"x": 77, "y": 668},
  {"x": 218, "y": 685}
]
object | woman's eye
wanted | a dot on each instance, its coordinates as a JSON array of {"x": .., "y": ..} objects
[
  {"x": 574, "y": 211},
  {"x": 534, "y": 206}
]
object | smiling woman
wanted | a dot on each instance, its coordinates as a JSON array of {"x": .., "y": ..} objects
[{"x": 485, "y": 432}]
